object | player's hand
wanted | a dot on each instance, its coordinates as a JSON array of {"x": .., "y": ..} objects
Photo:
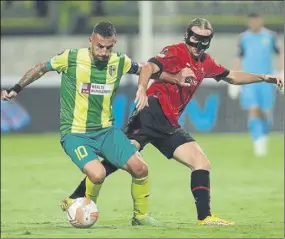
[
  {"x": 6, "y": 95},
  {"x": 281, "y": 75},
  {"x": 275, "y": 80},
  {"x": 184, "y": 76},
  {"x": 141, "y": 98}
]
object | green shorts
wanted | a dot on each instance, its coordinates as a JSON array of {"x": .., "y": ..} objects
[{"x": 110, "y": 143}]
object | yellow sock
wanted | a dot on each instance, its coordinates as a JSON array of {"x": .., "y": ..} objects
[
  {"x": 92, "y": 190},
  {"x": 140, "y": 194}
]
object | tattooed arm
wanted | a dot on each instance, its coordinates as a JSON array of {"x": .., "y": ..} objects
[{"x": 33, "y": 74}]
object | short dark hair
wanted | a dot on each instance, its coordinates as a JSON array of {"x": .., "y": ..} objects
[
  {"x": 202, "y": 23},
  {"x": 105, "y": 29},
  {"x": 253, "y": 15}
]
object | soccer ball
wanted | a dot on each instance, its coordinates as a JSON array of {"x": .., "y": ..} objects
[{"x": 82, "y": 213}]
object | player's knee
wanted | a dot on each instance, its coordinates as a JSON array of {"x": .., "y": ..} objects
[
  {"x": 202, "y": 163},
  {"x": 95, "y": 172},
  {"x": 192, "y": 156},
  {"x": 97, "y": 177},
  {"x": 141, "y": 171},
  {"x": 254, "y": 112},
  {"x": 137, "y": 167}
]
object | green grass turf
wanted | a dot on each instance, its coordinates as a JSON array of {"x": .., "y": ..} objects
[{"x": 36, "y": 175}]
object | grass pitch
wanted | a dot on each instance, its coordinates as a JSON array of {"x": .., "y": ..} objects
[{"x": 36, "y": 175}]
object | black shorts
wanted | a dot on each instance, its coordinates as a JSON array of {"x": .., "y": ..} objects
[{"x": 151, "y": 126}]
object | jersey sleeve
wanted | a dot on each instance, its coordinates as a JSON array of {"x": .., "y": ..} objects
[
  {"x": 216, "y": 71},
  {"x": 240, "y": 48},
  {"x": 130, "y": 66},
  {"x": 164, "y": 59},
  {"x": 59, "y": 62}
]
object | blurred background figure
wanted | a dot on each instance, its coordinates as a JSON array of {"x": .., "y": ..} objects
[
  {"x": 42, "y": 8},
  {"x": 98, "y": 8},
  {"x": 13, "y": 117},
  {"x": 256, "y": 50}
]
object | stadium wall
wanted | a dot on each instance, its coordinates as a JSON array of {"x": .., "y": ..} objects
[
  {"x": 20, "y": 53},
  {"x": 211, "y": 110}
]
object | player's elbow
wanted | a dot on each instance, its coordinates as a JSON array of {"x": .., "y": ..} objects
[
  {"x": 141, "y": 171},
  {"x": 232, "y": 78},
  {"x": 42, "y": 68},
  {"x": 234, "y": 82},
  {"x": 149, "y": 68}
]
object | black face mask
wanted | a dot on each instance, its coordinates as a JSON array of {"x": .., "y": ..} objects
[{"x": 200, "y": 42}]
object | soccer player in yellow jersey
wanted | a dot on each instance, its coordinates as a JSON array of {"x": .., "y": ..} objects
[{"x": 90, "y": 78}]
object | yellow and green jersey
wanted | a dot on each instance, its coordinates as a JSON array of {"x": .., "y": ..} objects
[{"x": 87, "y": 89}]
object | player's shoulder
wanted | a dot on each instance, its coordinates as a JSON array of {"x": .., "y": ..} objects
[
  {"x": 244, "y": 35},
  {"x": 173, "y": 49},
  {"x": 269, "y": 32},
  {"x": 75, "y": 50},
  {"x": 208, "y": 59},
  {"x": 119, "y": 55},
  {"x": 177, "y": 46},
  {"x": 63, "y": 51},
  {"x": 67, "y": 51}
]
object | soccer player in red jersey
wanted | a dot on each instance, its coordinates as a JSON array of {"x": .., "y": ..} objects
[{"x": 158, "y": 123}]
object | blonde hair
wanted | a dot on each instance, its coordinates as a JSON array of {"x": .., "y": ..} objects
[{"x": 202, "y": 23}]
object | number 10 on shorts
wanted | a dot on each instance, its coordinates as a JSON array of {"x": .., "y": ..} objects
[{"x": 81, "y": 152}]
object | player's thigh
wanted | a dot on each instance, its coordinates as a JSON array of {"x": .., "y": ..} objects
[
  {"x": 249, "y": 97},
  {"x": 116, "y": 147},
  {"x": 183, "y": 148},
  {"x": 122, "y": 153},
  {"x": 168, "y": 143},
  {"x": 79, "y": 149},
  {"x": 267, "y": 96}
]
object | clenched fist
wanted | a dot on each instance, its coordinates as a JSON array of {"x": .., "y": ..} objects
[
  {"x": 275, "y": 80},
  {"x": 184, "y": 75},
  {"x": 8, "y": 95}
]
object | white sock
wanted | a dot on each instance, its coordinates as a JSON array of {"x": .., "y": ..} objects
[{"x": 260, "y": 147}]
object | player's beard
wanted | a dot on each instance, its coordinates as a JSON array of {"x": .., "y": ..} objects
[
  {"x": 98, "y": 59},
  {"x": 101, "y": 58}
]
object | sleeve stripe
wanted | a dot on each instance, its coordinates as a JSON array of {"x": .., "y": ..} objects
[
  {"x": 222, "y": 75},
  {"x": 134, "y": 68},
  {"x": 157, "y": 62},
  {"x": 48, "y": 65}
]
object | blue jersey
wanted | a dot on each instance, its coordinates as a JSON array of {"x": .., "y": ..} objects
[{"x": 257, "y": 50}]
